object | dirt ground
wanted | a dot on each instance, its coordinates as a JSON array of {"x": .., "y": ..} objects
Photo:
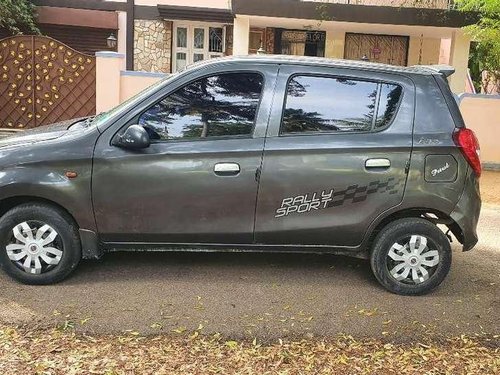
[{"x": 490, "y": 187}]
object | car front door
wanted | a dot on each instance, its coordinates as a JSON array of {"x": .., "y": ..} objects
[
  {"x": 336, "y": 156},
  {"x": 196, "y": 182}
]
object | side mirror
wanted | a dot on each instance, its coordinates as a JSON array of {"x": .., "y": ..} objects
[{"x": 135, "y": 137}]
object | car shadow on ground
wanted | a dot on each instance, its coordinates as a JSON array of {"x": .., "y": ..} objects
[
  {"x": 294, "y": 269},
  {"x": 161, "y": 266}
]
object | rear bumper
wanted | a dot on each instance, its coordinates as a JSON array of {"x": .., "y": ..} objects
[{"x": 466, "y": 212}]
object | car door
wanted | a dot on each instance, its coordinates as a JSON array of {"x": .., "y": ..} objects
[
  {"x": 196, "y": 182},
  {"x": 336, "y": 156}
]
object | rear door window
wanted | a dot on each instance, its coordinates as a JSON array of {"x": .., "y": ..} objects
[{"x": 316, "y": 104}]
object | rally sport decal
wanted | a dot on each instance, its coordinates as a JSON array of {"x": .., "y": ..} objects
[{"x": 330, "y": 198}]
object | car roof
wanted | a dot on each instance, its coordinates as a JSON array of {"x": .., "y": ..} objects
[{"x": 328, "y": 62}]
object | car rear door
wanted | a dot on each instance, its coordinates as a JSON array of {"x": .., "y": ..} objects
[
  {"x": 336, "y": 154},
  {"x": 196, "y": 182}
]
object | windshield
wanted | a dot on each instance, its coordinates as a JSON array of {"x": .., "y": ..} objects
[{"x": 102, "y": 117}]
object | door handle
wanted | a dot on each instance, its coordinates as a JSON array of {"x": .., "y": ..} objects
[
  {"x": 378, "y": 163},
  {"x": 227, "y": 169}
]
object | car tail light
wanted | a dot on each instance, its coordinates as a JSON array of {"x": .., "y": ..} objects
[{"x": 467, "y": 141}]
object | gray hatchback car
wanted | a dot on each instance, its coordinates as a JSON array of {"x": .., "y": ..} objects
[{"x": 258, "y": 153}]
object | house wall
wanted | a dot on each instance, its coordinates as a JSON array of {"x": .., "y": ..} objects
[
  {"x": 132, "y": 83},
  {"x": 77, "y": 17},
  {"x": 444, "y": 51},
  {"x": 459, "y": 59},
  {"x": 152, "y": 45},
  {"x": 108, "y": 67},
  {"x": 114, "y": 84},
  {"x": 481, "y": 113},
  {"x": 423, "y": 51}
]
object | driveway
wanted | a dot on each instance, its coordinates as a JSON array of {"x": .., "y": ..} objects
[{"x": 263, "y": 295}]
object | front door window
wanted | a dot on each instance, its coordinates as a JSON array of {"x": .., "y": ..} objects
[
  {"x": 195, "y": 43},
  {"x": 223, "y": 105}
]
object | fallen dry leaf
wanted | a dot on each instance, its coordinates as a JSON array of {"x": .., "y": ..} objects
[{"x": 52, "y": 351}]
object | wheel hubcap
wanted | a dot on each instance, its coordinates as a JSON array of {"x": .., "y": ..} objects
[
  {"x": 412, "y": 262},
  {"x": 35, "y": 247}
]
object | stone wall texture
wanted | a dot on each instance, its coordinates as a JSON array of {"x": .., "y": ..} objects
[{"x": 152, "y": 45}]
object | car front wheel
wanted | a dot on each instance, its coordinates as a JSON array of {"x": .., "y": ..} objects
[
  {"x": 411, "y": 256},
  {"x": 39, "y": 243}
]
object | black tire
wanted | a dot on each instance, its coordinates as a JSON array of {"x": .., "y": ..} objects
[
  {"x": 398, "y": 231},
  {"x": 68, "y": 238}
]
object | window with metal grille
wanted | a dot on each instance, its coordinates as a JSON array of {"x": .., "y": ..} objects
[{"x": 215, "y": 39}]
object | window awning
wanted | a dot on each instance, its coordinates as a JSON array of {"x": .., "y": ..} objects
[{"x": 174, "y": 12}]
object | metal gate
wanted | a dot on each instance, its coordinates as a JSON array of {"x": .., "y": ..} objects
[
  {"x": 387, "y": 49},
  {"x": 43, "y": 81}
]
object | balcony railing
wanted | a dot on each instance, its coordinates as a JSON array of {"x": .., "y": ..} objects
[{"x": 430, "y": 4}]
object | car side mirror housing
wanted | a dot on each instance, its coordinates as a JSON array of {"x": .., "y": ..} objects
[{"x": 135, "y": 137}]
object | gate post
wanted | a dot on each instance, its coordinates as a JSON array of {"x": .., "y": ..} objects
[{"x": 108, "y": 67}]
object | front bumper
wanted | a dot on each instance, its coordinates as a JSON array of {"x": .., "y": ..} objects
[{"x": 466, "y": 212}]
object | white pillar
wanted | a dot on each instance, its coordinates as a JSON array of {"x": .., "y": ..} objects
[
  {"x": 122, "y": 33},
  {"x": 241, "y": 35},
  {"x": 334, "y": 45},
  {"x": 108, "y": 68},
  {"x": 444, "y": 51},
  {"x": 459, "y": 59}
]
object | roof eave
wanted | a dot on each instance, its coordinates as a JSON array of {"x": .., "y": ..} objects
[{"x": 354, "y": 13}]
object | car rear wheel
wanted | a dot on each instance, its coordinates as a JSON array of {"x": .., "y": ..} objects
[
  {"x": 411, "y": 256},
  {"x": 39, "y": 244}
]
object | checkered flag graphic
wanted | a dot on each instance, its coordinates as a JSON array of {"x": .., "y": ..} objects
[{"x": 356, "y": 193}]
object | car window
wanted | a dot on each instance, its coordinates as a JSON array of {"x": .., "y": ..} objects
[
  {"x": 329, "y": 104},
  {"x": 388, "y": 103},
  {"x": 217, "y": 106}
]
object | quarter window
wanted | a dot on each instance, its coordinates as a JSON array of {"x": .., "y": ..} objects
[
  {"x": 389, "y": 99},
  {"x": 216, "y": 106},
  {"x": 328, "y": 104}
]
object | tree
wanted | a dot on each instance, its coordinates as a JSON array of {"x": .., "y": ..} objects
[
  {"x": 485, "y": 52},
  {"x": 18, "y": 16},
  {"x": 224, "y": 104}
]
